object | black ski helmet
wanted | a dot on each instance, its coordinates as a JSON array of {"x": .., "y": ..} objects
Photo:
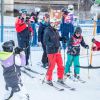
[
  {"x": 65, "y": 11},
  {"x": 78, "y": 30},
  {"x": 8, "y": 46}
]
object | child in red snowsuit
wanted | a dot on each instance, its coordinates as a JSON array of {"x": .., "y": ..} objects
[
  {"x": 97, "y": 45},
  {"x": 52, "y": 42}
]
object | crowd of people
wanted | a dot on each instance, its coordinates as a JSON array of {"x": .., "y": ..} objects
[{"x": 49, "y": 38}]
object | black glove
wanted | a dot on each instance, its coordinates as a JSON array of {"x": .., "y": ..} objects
[
  {"x": 18, "y": 50},
  {"x": 87, "y": 47},
  {"x": 93, "y": 40},
  {"x": 63, "y": 39}
]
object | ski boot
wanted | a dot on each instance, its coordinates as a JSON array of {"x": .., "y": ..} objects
[
  {"x": 60, "y": 81},
  {"x": 49, "y": 82}
]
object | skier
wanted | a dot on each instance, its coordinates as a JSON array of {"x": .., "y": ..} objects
[
  {"x": 34, "y": 21},
  {"x": 97, "y": 45},
  {"x": 66, "y": 26},
  {"x": 24, "y": 31},
  {"x": 11, "y": 72},
  {"x": 52, "y": 42},
  {"x": 73, "y": 53},
  {"x": 43, "y": 24}
]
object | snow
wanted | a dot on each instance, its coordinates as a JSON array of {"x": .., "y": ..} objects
[{"x": 38, "y": 91}]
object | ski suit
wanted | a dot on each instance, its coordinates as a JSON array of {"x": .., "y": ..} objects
[
  {"x": 11, "y": 72},
  {"x": 67, "y": 27},
  {"x": 52, "y": 42},
  {"x": 73, "y": 53},
  {"x": 41, "y": 29},
  {"x": 23, "y": 36}
]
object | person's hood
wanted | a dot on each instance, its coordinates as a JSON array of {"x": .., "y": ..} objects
[{"x": 5, "y": 55}]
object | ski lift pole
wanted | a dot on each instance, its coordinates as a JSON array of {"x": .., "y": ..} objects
[
  {"x": 94, "y": 32},
  {"x": 91, "y": 52},
  {"x": 2, "y": 19}
]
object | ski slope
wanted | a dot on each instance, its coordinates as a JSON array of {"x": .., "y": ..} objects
[{"x": 38, "y": 91}]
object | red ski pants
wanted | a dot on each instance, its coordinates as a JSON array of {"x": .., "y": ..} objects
[{"x": 55, "y": 59}]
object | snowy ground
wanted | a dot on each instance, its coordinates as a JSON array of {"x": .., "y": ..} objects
[{"x": 38, "y": 91}]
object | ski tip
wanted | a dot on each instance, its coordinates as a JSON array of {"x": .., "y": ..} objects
[
  {"x": 61, "y": 90},
  {"x": 73, "y": 89}
]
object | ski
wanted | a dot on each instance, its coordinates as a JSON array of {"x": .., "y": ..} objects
[
  {"x": 30, "y": 70},
  {"x": 65, "y": 86},
  {"x": 76, "y": 80},
  {"x": 79, "y": 80},
  {"x": 23, "y": 71},
  {"x": 55, "y": 87}
]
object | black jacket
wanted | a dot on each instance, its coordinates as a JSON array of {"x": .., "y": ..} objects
[
  {"x": 41, "y": 29},
  {"x": 51, "y": 40},
  {"x": 74, "y": 48}
]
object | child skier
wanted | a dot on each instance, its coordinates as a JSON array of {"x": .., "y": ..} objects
[
  {"x": 73, "y": 52},
  {"x": 97, "y": 45},
  {"x": 11, "y": 71},
  {"x": 52, "y": 42}
]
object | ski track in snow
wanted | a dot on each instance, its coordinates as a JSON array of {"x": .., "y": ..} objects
[{"x": 38, "y": 91}]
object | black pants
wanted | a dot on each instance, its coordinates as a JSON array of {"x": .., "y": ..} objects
[
  {"x": 24, "y": 42},
  {"x": 44, "y": 56}
]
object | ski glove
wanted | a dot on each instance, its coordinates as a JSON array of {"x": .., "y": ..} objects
[
  {"x": 87, "y": 47},
  {"x": 18, "y": 50},
  {"x": 93, "y": 40},
  {"x": 63, "y": 39}
]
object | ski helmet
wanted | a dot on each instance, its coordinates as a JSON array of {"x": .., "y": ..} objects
[
  {"x": 8, "y": 46},
  {"x": 23, "y": 11},
  {"x": 78, "y": 30},
  {"x": 70, "y": 7},
  {"x": 65, "y": 10}
]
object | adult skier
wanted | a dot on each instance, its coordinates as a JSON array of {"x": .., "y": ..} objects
[
  {"x": 43, "y": 24},
  {"x": 66, "y": 26},
  {"x": 24, "y": 31},
  {"x": 73, "y": 53}
]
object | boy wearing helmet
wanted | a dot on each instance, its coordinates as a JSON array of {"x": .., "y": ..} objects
[{"x": 73, "y": 52}]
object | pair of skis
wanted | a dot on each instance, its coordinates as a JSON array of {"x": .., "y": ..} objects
[{"x": 64, "y": 85}]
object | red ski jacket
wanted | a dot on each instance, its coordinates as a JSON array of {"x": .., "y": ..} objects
[
  {"x": 20, "y": 25},
  {"x": 97, "y": 47},
  {"x": 97, "y": 44}
]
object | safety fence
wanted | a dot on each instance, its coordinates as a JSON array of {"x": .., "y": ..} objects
[{"x": 10, "y": 32}]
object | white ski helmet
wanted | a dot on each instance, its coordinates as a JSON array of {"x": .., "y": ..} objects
[{"x": 71, "y": 8}]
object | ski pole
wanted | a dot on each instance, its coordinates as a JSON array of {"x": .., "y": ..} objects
[
  {"x": 30, "y": 53},
  {"x": 88, "y": 62}
]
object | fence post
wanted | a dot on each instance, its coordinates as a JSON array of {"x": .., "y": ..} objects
[{"x": 2, "y": 19}]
